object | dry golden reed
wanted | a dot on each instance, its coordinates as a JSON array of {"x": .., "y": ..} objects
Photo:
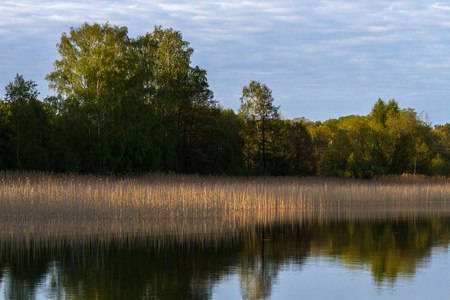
[{"x": 52, "y": 205}]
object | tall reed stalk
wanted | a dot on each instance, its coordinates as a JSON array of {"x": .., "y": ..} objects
[{"x": 60, "y": 204}]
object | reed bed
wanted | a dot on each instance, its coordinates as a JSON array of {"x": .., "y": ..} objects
[{"x": 52, "y": 206}]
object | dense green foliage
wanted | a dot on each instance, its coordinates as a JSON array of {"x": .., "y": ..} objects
[{"x": 132, "y": 105}]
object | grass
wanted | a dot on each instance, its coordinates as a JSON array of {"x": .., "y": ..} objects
[{"x": 53, "y": 205}]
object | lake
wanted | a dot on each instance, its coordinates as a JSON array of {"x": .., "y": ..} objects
[{"x": 387, "y": 257}]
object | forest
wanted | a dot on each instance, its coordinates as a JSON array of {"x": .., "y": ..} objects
[{"x": 128, "y": 105}]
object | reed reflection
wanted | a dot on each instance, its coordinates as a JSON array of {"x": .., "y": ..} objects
[{"x": 188, "y": 267}]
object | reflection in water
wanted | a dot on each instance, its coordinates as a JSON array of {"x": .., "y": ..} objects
[{"x": 171, "y": 267}]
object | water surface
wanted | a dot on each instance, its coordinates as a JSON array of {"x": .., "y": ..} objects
[{"x": 343, "y": 258}]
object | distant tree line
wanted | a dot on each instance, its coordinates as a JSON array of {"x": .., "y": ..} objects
[{"x": 132, "y": 105}]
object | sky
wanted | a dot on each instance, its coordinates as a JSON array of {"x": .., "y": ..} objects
[{"x": 321, "y": 59}]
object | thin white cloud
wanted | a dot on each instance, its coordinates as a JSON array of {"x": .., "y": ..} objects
[
  {"x": 440, "y": 7},
  {"x": 305, "y": 49}
]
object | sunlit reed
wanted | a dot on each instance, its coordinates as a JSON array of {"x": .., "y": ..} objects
[{"x": 51, "y": 205}]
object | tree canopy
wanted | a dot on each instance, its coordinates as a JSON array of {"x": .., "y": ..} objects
[{"x": 137, "y": 104}]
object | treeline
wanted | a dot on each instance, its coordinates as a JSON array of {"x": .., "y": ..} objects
[{"x": 133, "y": 105}]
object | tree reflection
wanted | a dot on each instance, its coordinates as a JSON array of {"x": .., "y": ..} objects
[
  {"x": 390, "y": 248},
  {"x": 265, "y": 250},
  {"x": 174, "y": 268},
  {"x": 256, "y": 271}
]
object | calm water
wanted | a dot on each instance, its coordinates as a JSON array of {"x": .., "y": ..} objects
[{"x": 338, "y": 259}]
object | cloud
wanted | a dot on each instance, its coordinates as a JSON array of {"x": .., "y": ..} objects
[
  {"x": 438, "y": 6},
  {"x": 322, "y": 50}
]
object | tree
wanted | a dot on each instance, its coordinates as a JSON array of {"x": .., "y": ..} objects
[
  {"x": 358, "y": 132},
  {"x": 181, "y": 93},
  {"x": 27, "y": 122},
  {"x": 440, "y": 163},
  {"x": 233, "y": 156},
  {"x": 92, "y": 68},
  {"x": 137, "y": 100},
  {"x": 380, "y": 140},
  {"x": 337, "y": 154},
  {"x": 171, "y": 57},
  {"x": 381, "y": 110},
  {"x": 291, "y": 148},
  {"x": 302, "y": 150},
  {"x": 5, "y": 155},
  {"x": 192, "y": 112},
  {"x": 257, "y": 108},
  {"x": 321, "y": 135},
  {"x": 399, "y": 140},
  {"x": 106, "y": 79}
]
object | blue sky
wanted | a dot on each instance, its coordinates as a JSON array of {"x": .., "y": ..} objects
[{"x": 322, "y": 59}]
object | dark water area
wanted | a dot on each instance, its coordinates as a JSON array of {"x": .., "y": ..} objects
[{"x": 390, "y": 258}]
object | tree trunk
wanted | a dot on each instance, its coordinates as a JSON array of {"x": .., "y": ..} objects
[{"x": 264, "y": 143}]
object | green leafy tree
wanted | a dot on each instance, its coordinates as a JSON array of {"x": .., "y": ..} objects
[
  {"x": 93, "y": 61},
  {"x": 277, "y": 158},
  {"x": 292, "y": 148},
  {"x": 172, "y": 96},
  {"x": 194, "y": 111},
  {"x": 104, "y": 77},
  {"x": 410, "y": 141},
  {"x": 26, "y": 122},
  {"x": 18, "y": 95},
  {"x": 380, "y": 140},
  {"x": 440, "y": 163},
  {"x": 5, "y": 154},
  {"x": 321, "y": 137},
  {"x": 230, "y": 126},
  {"x": 337, "y": 154},
  {"x": 180, "y": 94},
  {"x": 358, "y": 132},
  {"x": 258, "y": 110}
]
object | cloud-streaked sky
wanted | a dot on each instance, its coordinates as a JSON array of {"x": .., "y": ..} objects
[{"x": 322, "y": 59}]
